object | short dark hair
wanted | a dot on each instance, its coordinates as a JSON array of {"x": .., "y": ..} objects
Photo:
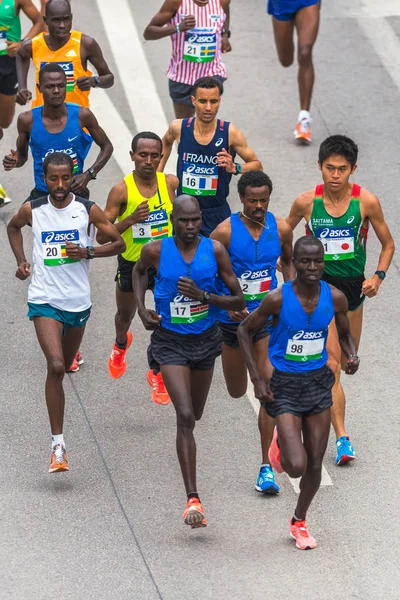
[
  {"x": 253, "y": 179},
  {"x": 306, "y": 240},
  {"x": 50, "y": 68},
  {"x": 207, "y": 83},
  {"x": 145, "y": 135},
  {"x": 338, "y": 145},
  {"x": 58, "y": 159},
  {"x": 49, "y": 4}
]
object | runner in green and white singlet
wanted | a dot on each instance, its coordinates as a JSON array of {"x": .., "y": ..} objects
[{"x": 339, "y": 213}]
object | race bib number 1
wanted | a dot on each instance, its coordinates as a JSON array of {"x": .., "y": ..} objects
[
  {"x": 200, "y": 45},
  {"x": 338, "y": 242},
  {"x": 154, "y": 228},
  {"x": 54, "y": 247}
]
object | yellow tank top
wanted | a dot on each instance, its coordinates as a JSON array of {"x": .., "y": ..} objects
[
  {"x": 158, "y": 224},
  {"x": 69, "y": 58}
]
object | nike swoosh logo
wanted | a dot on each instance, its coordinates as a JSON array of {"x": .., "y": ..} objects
[
  {"x": 157, "y": 207},
  {"x": 75, "y": 216},
  {"x": 72, "y": 139},
  {"x": 81, "y": 320}
]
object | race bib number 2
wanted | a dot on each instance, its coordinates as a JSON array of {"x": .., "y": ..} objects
[
  {"x": 254, "y": 289},
  {"x": 200, "y": 45},
  {"x": 55, "y": 249}
]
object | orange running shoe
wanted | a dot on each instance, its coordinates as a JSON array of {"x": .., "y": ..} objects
[
  {"x": 58, "y": 460},
  {"x": 117, "y": 361},
  {"x": 274, "y": 453},
  {"x": 159, "y": 395},
  {"x": 299, "y": 532},
  {"x": 194, "y": 514},
  {"x": 303, "y": 131}
]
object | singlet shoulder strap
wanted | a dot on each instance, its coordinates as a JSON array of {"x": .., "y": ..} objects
[
  {"x": 86, "y": 203},
  {"x": 221, "y": 125},
  {"x": 356, "y": 190},
  {"x": 37, "y": 41},
  {"x": 38, "y": 202},
  {"x": 162, "y": 185},
  {"x": 319, "y": 190},
  {"x": 189, "y": 122}
]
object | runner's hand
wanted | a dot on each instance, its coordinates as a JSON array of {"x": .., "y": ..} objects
[
  {"x": 85, "y": 83},
  {"x": 225, "y": 44},
  {"x": 75, "y": 251},
  {"x": 140, "y": 214},
  {"x": 238, "y": 315},
  {"x": 10, "y": 160},
  {"x": 188, "y": 288},
  {"x": 80, "y": 183},
  {"x": 187, "y": 23},
  {"x": 13, "y": 47},
  {"x": 225, "y": 160},
  {"x": 370, "y": 287},
  {"x": 352, "y": 365},
  {"x": 23, "y": 271},
  {"x": 150, "y": 319},
  {"x": 262, "y": 391},
  {"x": 23, "y": 97}
]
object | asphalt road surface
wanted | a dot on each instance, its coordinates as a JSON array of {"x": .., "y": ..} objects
[{"x": 112, "y": 528}]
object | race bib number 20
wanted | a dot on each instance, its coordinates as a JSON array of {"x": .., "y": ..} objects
[{"x": 55, "y": 249}]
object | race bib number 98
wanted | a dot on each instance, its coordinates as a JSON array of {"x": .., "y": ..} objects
[
  {"x": 305, "y": 346},
  {"x": 54, "y": 247}
]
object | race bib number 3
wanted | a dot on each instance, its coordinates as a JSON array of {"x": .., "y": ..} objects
[
  {"x": 185, "y": 310},
  {"x": 255, "y": 289},
  {"x": 301, "y": 349},
  {"x": 199, "y": 180},
  {"x": 154, "y": 228},
  {"x": 69, "y": 73},
  {"x": 200, "y": 45},
  {"x": 54, "y": 247},
  {"x": 338, "y": 242},
  {"x": 3, "y": 40}
]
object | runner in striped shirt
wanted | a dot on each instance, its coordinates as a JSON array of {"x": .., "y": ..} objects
[{"x": 199, "y": 31}]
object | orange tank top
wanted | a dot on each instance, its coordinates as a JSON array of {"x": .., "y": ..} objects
[{"x": 69, "y": 58}]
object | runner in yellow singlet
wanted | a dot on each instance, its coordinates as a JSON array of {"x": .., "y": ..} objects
[
  {"x": 141, "y": 204},
  {"x": 69, "y": 48}
]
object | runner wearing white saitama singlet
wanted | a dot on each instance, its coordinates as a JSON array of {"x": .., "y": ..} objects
[{"x": 199, "y": 31}]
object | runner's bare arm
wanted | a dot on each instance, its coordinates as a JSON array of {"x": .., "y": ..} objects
[
  {"x": 301, "y": 209},
  {"x": 225, "y": 42},
  {"x": 109, "y": 231},
  {"x": 18, "y": 158},
  {"x": 286, "y": 237},
  {"x": 270, "y": 306},
  {"x": 158, "y": 27},
  {"x": 93, "y": 54},
  {"x": 30, "y": 10},
  {"x": 222, "y": 233},
  {"x": 346, "y": 341},
  {"x": 150, "y": 256},
  {"x": 23, "y": 59},
  {"x": 374, "y": 213},
  {"x": 239, "y": 143},
  {"x": 173, "y": 134},
  {"x": 14, "y": 227},
  {"x": 172, "y": 185}
]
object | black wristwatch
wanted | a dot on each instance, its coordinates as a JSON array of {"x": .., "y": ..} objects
[
  {"x": 96, "y": 79},
  {"x": 90, "y": 252},
  {"x": 381, "y": 274},
  {"x": 206, "y": 298},
  {"x": 239, "y": 168},
  {"x": 226, "y": 31},
  {"x": 92, "y": 173}
]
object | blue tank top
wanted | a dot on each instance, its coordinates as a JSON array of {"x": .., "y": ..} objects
[
  {"x": 197, "y": 168},
  {"x": 72, "y": 140},
  {"x": 181, "y": 314},
  {"x": 253, "y": 262},
  {"x": 298, "y": 342}
]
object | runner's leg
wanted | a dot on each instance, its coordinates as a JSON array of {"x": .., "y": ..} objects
[
  {"x": 266, "y": 423},
  {"x": 307, "y": 24},
  {"x": 293, "y": 454},
  {"x": 183, "y": 111},
  {"x": 283, "y": 34},
  {"x": 126, "y": 308},
  {"x": 7, "y": 110}
]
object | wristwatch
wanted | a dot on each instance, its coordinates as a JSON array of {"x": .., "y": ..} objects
[
  {"x": 206, "y": 298},
  {"x": 381, "y": 274},
  {"x": 239, "y": 168},
  {"x": 226, "y": 31},
  {"x": 92, "y": 173},
  {"x": 90, "y": 252},
  {"x": 96, "y": 80}
]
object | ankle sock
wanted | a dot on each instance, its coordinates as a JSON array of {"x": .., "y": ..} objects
[
  {"x": 304, "y": 114},
  {"x": 294, "y": 519},
  {"x": 57, "y": 439},
  {"x": 121, "y": 346},
  {"x": 193, "y": 495}
]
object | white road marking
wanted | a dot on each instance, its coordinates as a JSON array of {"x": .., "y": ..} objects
[{"x": 326, "y": 480}]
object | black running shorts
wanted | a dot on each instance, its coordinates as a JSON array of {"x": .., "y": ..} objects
[
  {"x": 301, "y": 394},
  {"x": 124, "y": 275},
  {"x": 8, "y": 76},
  {"x": 181, "y": 93},
  {"x": 196, "y": 351},
  {"x": 229, "y": 333},
  {"x": 351, "y": 288}
]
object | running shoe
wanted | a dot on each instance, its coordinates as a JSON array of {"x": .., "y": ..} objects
[
  {"x": 303, "y": 131},
  {"x": 159, "y": 395},
  {"x": 4, "y": 199},
  {"x": 345, "y": 451},
  {"x": 58, "y": 459},
  {"x": 266, "y": 481},
  {"x": 274, "y": 454},
  {"x": 76, "y": 363},
  {"x": 299, "y": 532},
  {"x": 117, "y": 362},
  {"x": 194, "y": 514}
]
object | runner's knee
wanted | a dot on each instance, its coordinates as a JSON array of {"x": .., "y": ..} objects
[
  {"x": 295, "y": 466},
  {"x": 286, "y": 61},
  {"x": 304, "y": 56},
  {"x": 56, "y": 367},
  {"x": 185, "y": 419}
]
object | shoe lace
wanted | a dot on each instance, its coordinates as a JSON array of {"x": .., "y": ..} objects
[
  {"x": 59, "y": 453},
  {"x": 118, "y": 356},
  {"x": 301, "y": 527},
  {"x": 159, "y": 384}
]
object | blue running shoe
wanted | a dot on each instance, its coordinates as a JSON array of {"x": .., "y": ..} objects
[
  {"x": 345, "y": 451},
  {"x": 266, "y": 481}
]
